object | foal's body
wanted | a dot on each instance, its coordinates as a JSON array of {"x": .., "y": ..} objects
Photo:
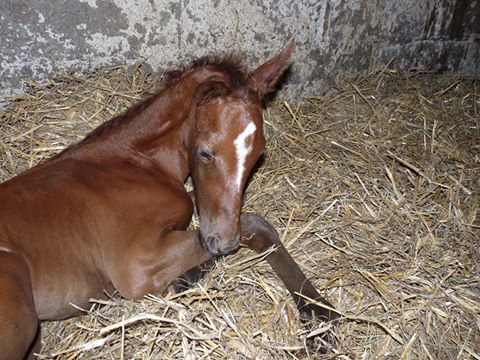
[
  {"x": 110, "y": 213},
  {"x": 94, "y": 226}
]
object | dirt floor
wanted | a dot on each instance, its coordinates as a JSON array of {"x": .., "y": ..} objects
[{"x": 374, "y": 191}]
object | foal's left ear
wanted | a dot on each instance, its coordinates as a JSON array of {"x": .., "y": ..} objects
[{"x": 263, "y": 79}]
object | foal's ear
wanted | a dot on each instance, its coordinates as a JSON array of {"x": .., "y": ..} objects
[{"x": 263, "y": 79}]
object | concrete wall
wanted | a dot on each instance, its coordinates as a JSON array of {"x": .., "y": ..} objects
[{"x": 335, "y": 38}]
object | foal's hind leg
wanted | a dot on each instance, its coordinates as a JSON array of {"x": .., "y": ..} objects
[{"x": 18, "y": 320}]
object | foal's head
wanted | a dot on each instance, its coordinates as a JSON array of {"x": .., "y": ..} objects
[{"x": 229, "y": 140}]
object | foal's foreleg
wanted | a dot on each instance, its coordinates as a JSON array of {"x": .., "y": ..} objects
[
  {"x": 259, "y": 235},
  {"x": 151, "y": 270}
]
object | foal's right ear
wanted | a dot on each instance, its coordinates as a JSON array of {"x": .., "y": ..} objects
[{"x": 263, "y": 80}]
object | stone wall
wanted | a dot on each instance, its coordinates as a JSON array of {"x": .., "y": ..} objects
[{"x": 336, "y": 39}]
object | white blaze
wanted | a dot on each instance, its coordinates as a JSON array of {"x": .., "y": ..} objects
[{"x": 242, "y": 150}]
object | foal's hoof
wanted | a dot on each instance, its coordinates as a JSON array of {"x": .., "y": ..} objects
[
  {"x": 319, "y": 339},
  {"x": 188, "y": 279},
  {"x": 311, "y": 311}
]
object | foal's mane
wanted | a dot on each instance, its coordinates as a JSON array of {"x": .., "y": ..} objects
[{"x": 231, "y": 65}]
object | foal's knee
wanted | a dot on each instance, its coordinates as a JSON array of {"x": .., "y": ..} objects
[{"x": 257, "y": 233}]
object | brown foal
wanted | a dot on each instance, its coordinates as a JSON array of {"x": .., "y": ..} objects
[{"x": 111, "y": 212}]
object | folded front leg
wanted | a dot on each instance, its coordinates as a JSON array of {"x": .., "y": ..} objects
[{"x": 151, "y": 269}]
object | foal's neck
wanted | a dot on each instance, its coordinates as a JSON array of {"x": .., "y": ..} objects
[
  {"x": 155, "y": 133},
  {"x": 166, "y": 128}
]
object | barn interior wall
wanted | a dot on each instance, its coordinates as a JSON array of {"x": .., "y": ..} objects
[{"x": 336, "y": 39}]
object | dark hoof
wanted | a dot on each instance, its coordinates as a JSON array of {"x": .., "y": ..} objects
[
  {"x": 309, "y": 312},
  {"x": 319, "y": 339},
  {"x": 192, "y": 276}
]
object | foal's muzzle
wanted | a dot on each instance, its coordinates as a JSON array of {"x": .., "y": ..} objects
[{"x": 215, "y": 246}]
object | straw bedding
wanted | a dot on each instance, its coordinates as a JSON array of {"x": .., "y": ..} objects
[{"x": 374, "y": 191}]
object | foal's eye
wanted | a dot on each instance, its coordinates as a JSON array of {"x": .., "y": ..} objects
[{"x": 205, "y": 155}]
